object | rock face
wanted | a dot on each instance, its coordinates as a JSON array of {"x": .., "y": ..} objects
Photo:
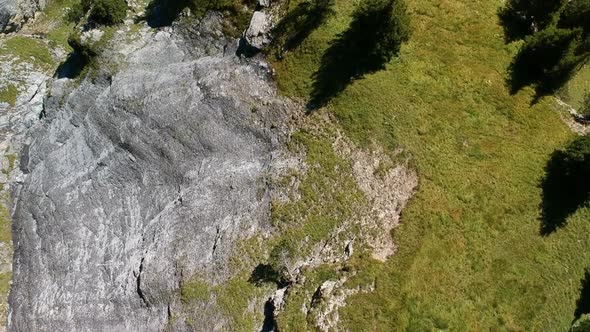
[
  {"x": 138, "y": 180},
  {"x": 13, "y": 13}
]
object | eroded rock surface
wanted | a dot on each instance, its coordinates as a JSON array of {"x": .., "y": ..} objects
[
  {"x": 140, "y": 179},
  {"x": 13, "y": 13}
]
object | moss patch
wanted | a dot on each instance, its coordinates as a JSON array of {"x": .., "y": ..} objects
[
  {"x": 28, "y": 49},
  {"x": 8, "y": 94},
  {"x": 195, "y": 290}
]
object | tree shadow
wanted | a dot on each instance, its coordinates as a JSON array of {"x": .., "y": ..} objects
[
  {"x": 583, "y": 303},
  {"x": 264, "y": 273},
  {"x": 566, "y": 188},
  {"x": 72, "y": 67},
  {"x": 270, "y": 323},
  {"x": 78, "y": 60},
  {"x": 372, "y": 39},
  {"x": 300, "y": 22},
  {"x": 550, "y": 54}
]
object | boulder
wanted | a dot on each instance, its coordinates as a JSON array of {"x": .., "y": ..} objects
[{"x": 258, "y": 33}]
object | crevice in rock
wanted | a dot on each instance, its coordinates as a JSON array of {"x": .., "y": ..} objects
[
  {"x": 216, "y": 242},
  {"x": 138, "y": 279}
]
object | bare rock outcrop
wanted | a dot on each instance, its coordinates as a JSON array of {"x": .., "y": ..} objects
[
  {"x": 14, "y": 13},
  {"x": 140, "y": 179}
]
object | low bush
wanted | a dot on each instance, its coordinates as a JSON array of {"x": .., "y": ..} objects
[
  {"x": 75, "y": 13},
  {"x": 108, "y": 12}
]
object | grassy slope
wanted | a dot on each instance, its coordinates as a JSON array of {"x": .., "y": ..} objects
[
  {"x": 470, "y": 256},
  {"x": 573, "y": 93}
]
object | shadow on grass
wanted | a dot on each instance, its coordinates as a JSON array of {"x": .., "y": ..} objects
[
  {"x": 78, "y": 60},
  {"x": 264, "y": 273},
  {"x": 583, "y": 303},
  {"x": 74, "y": 65},
  {"x": 566, "y": 186},
  {"x": 372, "y": 39},
  {"x": 550, "y": 53},
  {"x": 300, "y": 22}
]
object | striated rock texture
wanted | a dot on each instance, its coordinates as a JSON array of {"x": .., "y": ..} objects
[
  {"x": 140, "y": 179},
  {"x": 13, "y": 13}
]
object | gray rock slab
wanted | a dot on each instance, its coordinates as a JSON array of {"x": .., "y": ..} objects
[{"x": 137, "y": 181}]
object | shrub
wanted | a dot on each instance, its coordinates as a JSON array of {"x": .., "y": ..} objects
[
  {"x": 108, "y": 12},
  {"x": 163, "y": 12},
  {"x": 576, "y": 14},
  {"x": 521, "y": 18},
  {"x": 547, "y": 58},
  {"x": 280, "y": 260},
  {"x": 75, "y": 13},
  {"x": 81, "y": 49}
]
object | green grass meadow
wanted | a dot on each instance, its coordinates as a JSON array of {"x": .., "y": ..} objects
[{"x": 471, "y": 256}]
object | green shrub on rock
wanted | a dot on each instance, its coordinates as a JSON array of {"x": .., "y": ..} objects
[
  {"x": 108, "y": 12},
  {"x": 75, "y": 13}
]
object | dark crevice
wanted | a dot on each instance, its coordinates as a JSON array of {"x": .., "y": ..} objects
[
  {"x": 216, "y": 242},
  {"x": 139, "y": 291}
]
